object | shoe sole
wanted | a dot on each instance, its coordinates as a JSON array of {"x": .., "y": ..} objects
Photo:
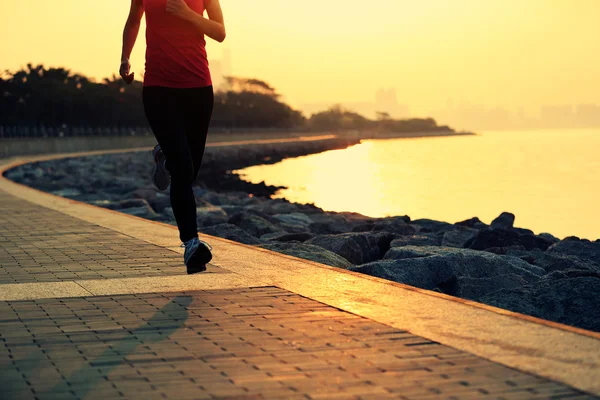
[
  {"x": 197, "y": 262},
  {"x": 159, "y": 178}
]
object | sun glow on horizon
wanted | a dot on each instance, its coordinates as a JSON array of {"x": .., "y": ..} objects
[{"x": 508, "y": 53}]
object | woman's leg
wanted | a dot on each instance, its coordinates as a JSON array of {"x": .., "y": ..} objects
[
  {"x": 197, "y": 106},
  {"x": 166, "y": 118}
]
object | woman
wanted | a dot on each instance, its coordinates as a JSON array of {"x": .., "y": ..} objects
[{"x": 178, "y": 100}]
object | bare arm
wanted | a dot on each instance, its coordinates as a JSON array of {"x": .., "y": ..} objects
[
  {"x": 130, "y": 33},
  {"x": 213, "y": 26}
]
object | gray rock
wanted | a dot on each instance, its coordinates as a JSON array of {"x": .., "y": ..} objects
[
  {"x": 253, "y": 224},
  {"x": 504, "y": 221},
  {"x": 309, "y": 252},
  {"x": 426, "y": 273},
  {"x": 474, "y": 223},
  {"x": 128, "y": 203},
  {"x": 581, "y": 248},
  {"x": 357, "y": 248},
  {"x": 423, "y": 239},
  {"x": 554, "y": 261},
  {"x": 476, "y": 288},
  {"x": 231, "y": 232},
  {"x": 470, "y": 263},
  {"x": 572, "y": 301},
  {"x": 396, "y": 225},
  {"x": 142, "y": 212},
  {"x": 287, "y": 237},
  {"x": 429, "y": 225},
  {"x": 328, "y": 228},
  {"x": 68, "y": 192},
  {"x": 294, "y": 222},
  {"x": 160, "y": 202},
  {"x": 488, "y": 238},
  {"x": 504, "y": 250},
  {"x": 207, "y": 216},
  {"x": 458, "y": 237},
  {"x": 549, "y": 237}
]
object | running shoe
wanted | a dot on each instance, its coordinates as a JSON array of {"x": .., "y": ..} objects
[
  {"x": 160, "y": 175},
  {"x": 197, "y": 254}
]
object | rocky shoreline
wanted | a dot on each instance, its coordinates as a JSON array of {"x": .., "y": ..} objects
[{"x": 497, "y": 264}]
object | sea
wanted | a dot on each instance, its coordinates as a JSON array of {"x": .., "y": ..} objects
[{"x": 550, "y": 179}]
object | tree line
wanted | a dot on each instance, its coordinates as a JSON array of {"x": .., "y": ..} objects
[{"x": 35, "y": 95}]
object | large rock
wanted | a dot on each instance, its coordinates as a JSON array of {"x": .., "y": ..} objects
[
  {"x": 294, "y": 222},
  {"x": 422, "y": 239},
  {"x": 504, "y": 221},
  {"x": 488, "y": 238},
  {"x": 207, "y": 216},
  {"x": 160, "y": 202},
  {"x": 554, "y": 261},
  {"x": 581, "y": 248},
  {"x": 469, "y": 263},
  {"x": 476, "y": 288},
  {"x": 128, "y": 203},
  {"x": 142, "y": 212},
  {"x": 231, "y": 232},
  {"x": 571, "y": 301},
  {"x": 426, "y": 273},
  {"x": 458, "y": 237},
  {"x": 474, "y": 223},
  {"x": 430, "y": 225},
  {"x": 357, "y": 248},
  {"x": 309, "y": 252},
  {"x": 287, "y": 237},
  {"x": 253, "y": 224},
  {"x": 397, "y": 225}
]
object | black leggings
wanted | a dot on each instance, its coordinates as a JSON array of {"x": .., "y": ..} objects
[{"x": 179, "y": 119}]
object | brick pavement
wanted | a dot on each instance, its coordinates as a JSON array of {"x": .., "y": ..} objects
[
  {"x": 42, "y": 245},
  {"x": 262, "y": 342},
  {"x": 243, "y": 343}
]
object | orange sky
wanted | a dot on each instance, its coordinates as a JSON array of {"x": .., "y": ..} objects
[{"x": 494, "y": 52}]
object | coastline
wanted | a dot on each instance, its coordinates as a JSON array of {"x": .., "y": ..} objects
[{"x": 495, "y": 264}]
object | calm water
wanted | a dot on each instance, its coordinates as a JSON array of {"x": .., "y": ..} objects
[{"x": 548, "y": 179}]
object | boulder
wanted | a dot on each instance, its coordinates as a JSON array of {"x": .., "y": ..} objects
[
  {"x": 476, "y": 288},
  {"x": 488, "y": 238},
  {"x": 253, "y": 224},
  {"x": 549, "y": 237},
  {"x": 160, "y": 202},
  {"x": 470, "y": 263},
  {"x": 294, "y": 222},
  {"x": 357, "y": 248},
  {"x": 458, "y": 237},
  {"x": 231, "y": 232},
  {"x": 504, "y": 250},
  {"x": 207, "y": 216},
  {"x": 309, "y": 252},
  {"x": 397, "y": 225},
  {"x": 426, "y": 273},
  {"x": 582, "y": 248},
  {"x": 287, "y": 237},
  {"x": 142, "y": 212},
  {"x": 553, "y": 261},
  {"x": 570, "y": 301},
  {"x": 474, "y": 223},
  {"x": 503, "y": 221},
  {"x": 422, "y": 239},
  {"x": 429, "y": 225}
]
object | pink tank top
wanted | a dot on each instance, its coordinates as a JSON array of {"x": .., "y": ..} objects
[{"x": 175, "y": 51}]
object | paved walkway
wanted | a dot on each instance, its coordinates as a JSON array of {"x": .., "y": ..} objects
[{"x": 238, "y": 341}]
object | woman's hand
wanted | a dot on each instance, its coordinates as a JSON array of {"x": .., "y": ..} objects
[
  {"x": 178, "y": 8},
  {"x": 124, "y": 71}
]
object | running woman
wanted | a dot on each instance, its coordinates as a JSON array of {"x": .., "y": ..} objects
[{"x": 178, "y": 100}]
